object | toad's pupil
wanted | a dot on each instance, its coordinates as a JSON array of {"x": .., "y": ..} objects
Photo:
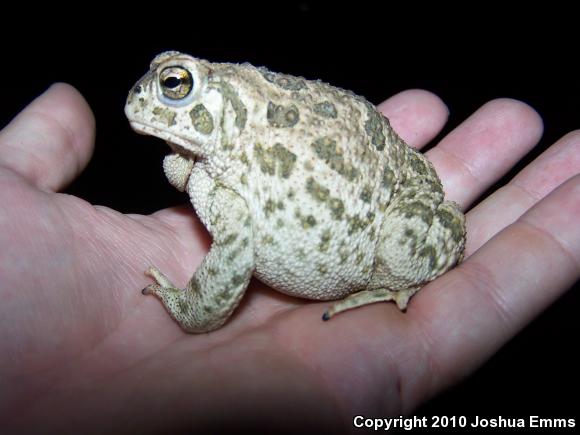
[{"x": 171, "y": 82}]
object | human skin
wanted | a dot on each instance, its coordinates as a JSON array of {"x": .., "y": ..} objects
[{"x": 83, "y": 349}]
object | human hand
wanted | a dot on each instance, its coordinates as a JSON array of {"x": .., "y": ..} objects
[{"x": 82, "y": 348}]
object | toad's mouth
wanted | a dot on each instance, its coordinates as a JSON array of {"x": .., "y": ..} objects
[{"x": 177, "y": 143}]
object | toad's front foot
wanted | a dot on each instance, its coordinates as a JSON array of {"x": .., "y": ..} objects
[
  {"x": 217, "y": 286},
  {"x": 160, "y": 278},
  {"x": 205, "y": 303}
]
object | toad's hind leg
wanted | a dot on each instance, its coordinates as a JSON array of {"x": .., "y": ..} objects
[
  {"x": 365, "y": 297},
  {"x": 218, "y": 285},
  {"x": 421, "y": 238}
]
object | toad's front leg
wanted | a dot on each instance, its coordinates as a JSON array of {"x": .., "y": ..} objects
[{"x": 218, "y": 285}]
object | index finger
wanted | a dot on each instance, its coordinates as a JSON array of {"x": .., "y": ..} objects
[{"x": 484, "y": 148}]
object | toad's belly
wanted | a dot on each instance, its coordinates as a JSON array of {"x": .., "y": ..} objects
[{"x": 313, "y": 262}]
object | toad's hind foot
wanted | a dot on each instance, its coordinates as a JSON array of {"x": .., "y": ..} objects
[{"x": 365, "y": 297}]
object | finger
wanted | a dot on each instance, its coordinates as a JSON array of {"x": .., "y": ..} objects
[
  {"x": 51, "y": 140},
  {"x": 468, "y": 313},
  {"x": 554, "y": 166},
  {"x": 484, "y": 147},
  {"x": 416, "y": 115}
]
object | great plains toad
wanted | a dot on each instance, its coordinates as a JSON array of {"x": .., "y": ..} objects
[{"x": 301, "y": 184}]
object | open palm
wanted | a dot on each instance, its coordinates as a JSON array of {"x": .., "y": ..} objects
[{"x": 83, "y": 348}]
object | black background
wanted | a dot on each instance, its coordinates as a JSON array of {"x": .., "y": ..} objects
[{"x": 466, "y": 56}]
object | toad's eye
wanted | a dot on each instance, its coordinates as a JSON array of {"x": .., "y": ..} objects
[{"x": 176, "y": 82}]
